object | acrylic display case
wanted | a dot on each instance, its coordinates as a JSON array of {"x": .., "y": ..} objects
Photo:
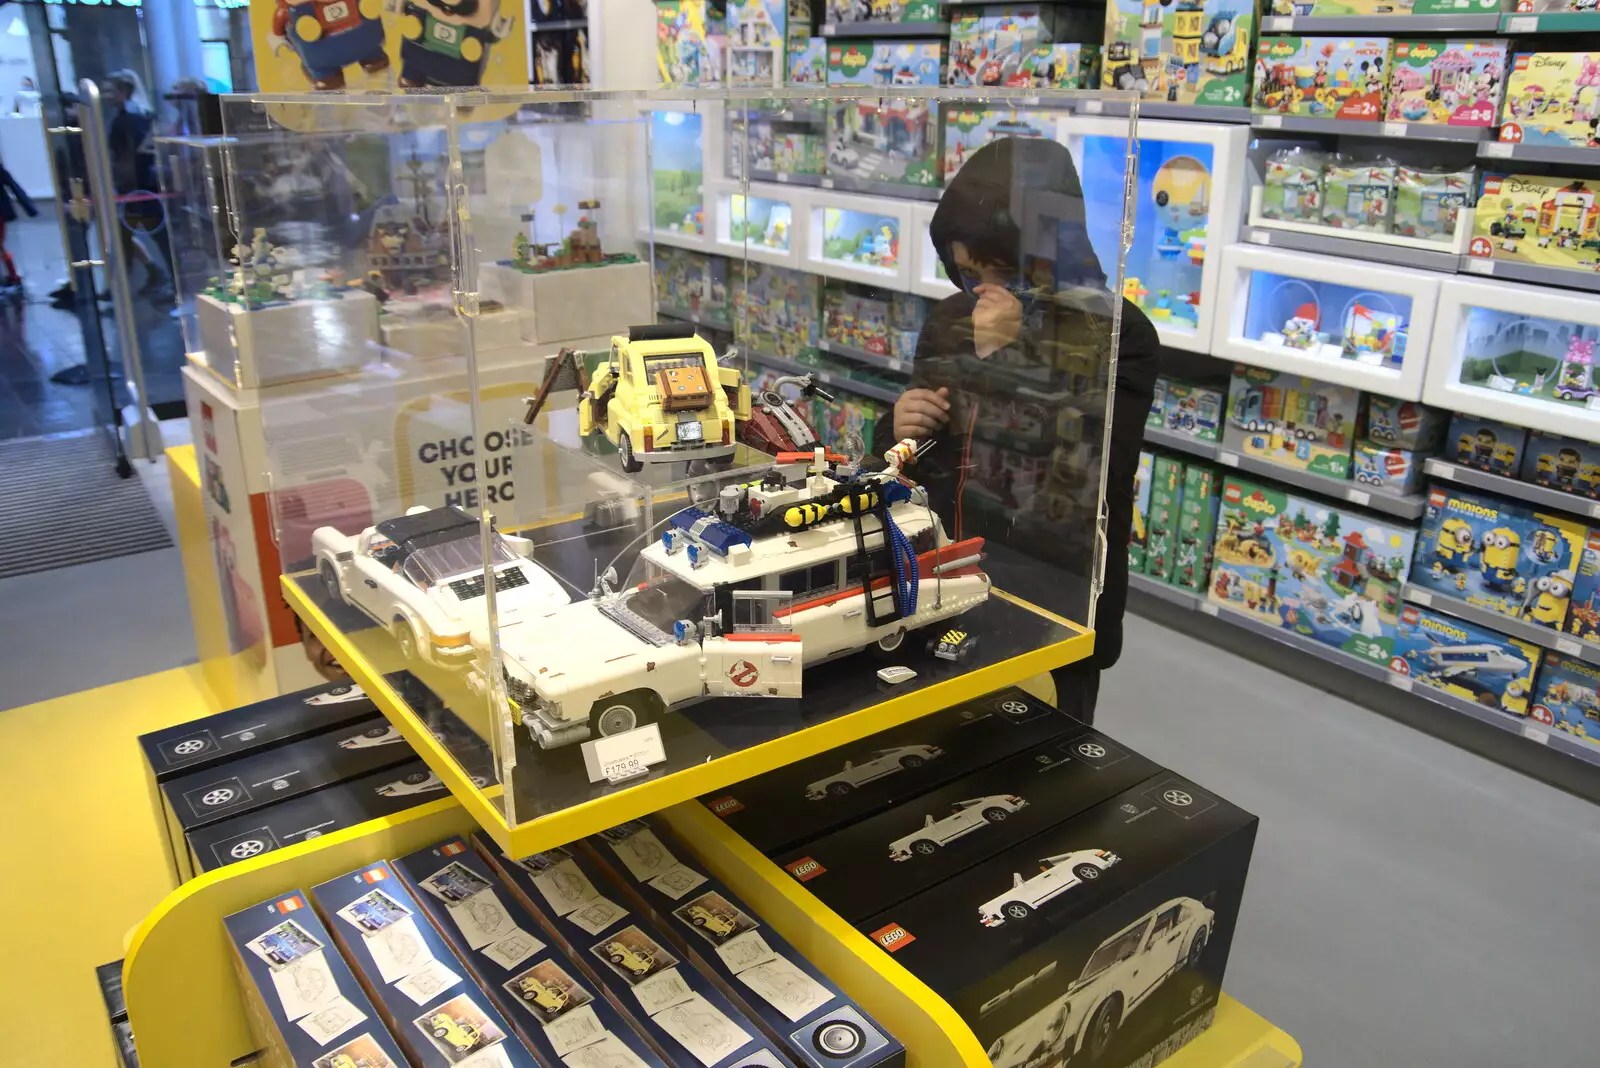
[
  {"x": 1523, "y": 355},
  {"x": 1351, "y": 323},
  {"x": 592, "y": 564}
]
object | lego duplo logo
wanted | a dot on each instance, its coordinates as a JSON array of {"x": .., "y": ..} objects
[
  {"x": 725, "y": 806},
  {"x": 804, "y": 869},
  {"x": 1256, "y": 501},
  {"x": 1283, "y": 47},
  {"x": 852, "y": 60},
  {"x": 893, "y": 937},
  {"x": 1415, "y": 51}
]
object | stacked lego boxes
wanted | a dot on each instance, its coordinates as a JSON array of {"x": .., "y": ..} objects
[
  {"x": 1398, "y": 435},
  {"x": 1022, "y": 46},
  {"x": 1175, "y": 512},
  {"x": 1498, "y": 448},
  {"x": 1565, "y": 464},
  {"x": 1193, "y": 53},
  {"x": 873, "y": 139}
]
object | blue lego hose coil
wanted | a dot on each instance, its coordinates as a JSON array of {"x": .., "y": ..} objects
[{"x": 904, "y": 562}]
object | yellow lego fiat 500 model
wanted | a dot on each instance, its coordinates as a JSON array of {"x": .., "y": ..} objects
[
  {"x": 662, "y": 397},
  {"x": 461, "y": 1036}
]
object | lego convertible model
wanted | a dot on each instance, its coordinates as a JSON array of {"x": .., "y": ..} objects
[
  {"x": 1119, "y": 976},
  {"x": 965, "y": 817},
  {"x": 421, "y": 576},
  {"x": 1056, "y": 876},
  {"x": 814, "y": 561}
]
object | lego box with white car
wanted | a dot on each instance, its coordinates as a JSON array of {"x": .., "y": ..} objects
[
  {"x": 1101, "y": 941},
  {"x": 793, "y": 804},
  {"x": 816, "y": 1022},
  {"x": 864, "y": 868}
]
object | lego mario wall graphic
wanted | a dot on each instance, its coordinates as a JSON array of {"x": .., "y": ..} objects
[{"x": 305, "y": 45}]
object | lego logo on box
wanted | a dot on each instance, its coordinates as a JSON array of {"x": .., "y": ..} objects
[
  {"x": 1522, "y": 62},
  {"x": 725, "y": 806},
  {"x": 893, "y": 937},
  {"x": 1491, "y": 183},
  {"x": 374, "y": 875},
  {"x": 1438, "y": 498},
  {"x": 1232, "y": 493},
  {"x": 289, "y": 904},
  {"x": 804, "y": 868},
  {"x": 453, "y": 848},
  {"x": 1408, "y": 614}
]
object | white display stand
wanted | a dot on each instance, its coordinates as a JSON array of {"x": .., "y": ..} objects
[
  {"x": 1228, "y": 340},
  {"x": 1451, "y": 339},
  {"x": 285, "y": 342},
  {"x": 925, "y": 279},
  {"x": 427, "y": 337},
  {"x": 897, "y": 277},
  {"x": 797, "y": 198},
  {"x": 557, "y": 308}
]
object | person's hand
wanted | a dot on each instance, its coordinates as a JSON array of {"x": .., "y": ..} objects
[
  {"x": 921, "y": 413},
  {"x": 996, "y": 318}
]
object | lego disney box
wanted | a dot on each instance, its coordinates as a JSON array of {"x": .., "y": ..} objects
[
  {"x": 863, "y": 868},
  {"x": 1103, "y": 940},
  {"x": 1192, "y": 53},
  {"x": 800, "y": 801},
  {"x": 1498, "y": 555},
  {"x": 1567, "y": 699},
  {"x": 1329, "y": 573},
  {"x": 1471, "y": 662},
  {"x": 1323, "y": 77},
  {"x": 1552, "y": 98},
  {"x": 304, "y": 1004},
  {"x": 816, "y": 1024}
]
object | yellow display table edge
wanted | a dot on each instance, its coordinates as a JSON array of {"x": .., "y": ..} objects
[{"x": 558, "y": 828}]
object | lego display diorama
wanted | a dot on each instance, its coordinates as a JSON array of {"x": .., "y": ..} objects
[
  {"x": 760, "y": 222},
  {"x": 1531, "y": 356},
  {"x": 677, "y": 172},
  {"x": 1188, "y": 52},
  {"x": 1567, "y": 698},
  {"x": 1552, "y": 98},
  {"x": 1333, "y": 574},
  {"x": 1498, "y": 448},
  {"x": 1539, "y": 219},
  {"x": 1325, "y": 77},
  {"x": 1291, "y": 420},
  {"x": 883, "y": 139},
  {"x": 1471, "y": 662},
  {"x": 861, "y": 239},
  {"x": 1560, "y": 463},
  {"x": 579, "y": 247},
  {"x": 1454, "y": 83},
  {"x": 1328, "y": 320},
  {"x": 1498, "y": 555}
]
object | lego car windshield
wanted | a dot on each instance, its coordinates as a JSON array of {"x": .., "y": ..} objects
[{"x": 605, "y": 435}]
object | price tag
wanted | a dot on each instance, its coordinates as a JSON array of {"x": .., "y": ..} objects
[
  {"x": 1478, "y": 266},
  {"x": 1277, "y": 23},
  {"x": 825, "y": 377},
  {"x": 1355, "y": 496},
  {"x": 1594, "y": 511},
  {"x": 782, "y": 176},
  {"x": 1394, "y": 129},
  {"x": 1441, "y": 470},
  {"x": 827, "y": 29},
  {"x": 1260, "y": 237},
  {"x": 1030, "y": 101},
  {"x": 1208, "y": 608},
  {"x": 1093, "y": 107},
  {"x": 1522, "y": 24},
  {"x": 1270, "y": 121},
  {"x": 825, "y": 345},
  {"x": 895, "y": 365},
  {"x": 1495, "y": 150},
  {"x": 1534, "y": 734},
  {"x": 1400, "y": 682},
  {"x": 1228, "y": 459},
  {"x": 1422, "y": 597},
  {"x": 827, "y": 183},
  {"x": 1568, "y": 646},
  {"x": 623, "y": 756}
]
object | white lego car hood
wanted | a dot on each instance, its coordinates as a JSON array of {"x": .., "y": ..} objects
[{"x": 576, "y": 644}]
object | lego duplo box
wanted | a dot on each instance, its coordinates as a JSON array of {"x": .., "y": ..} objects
[
  {"x": 1103, "y": 940},
  {"x": 1383, "y": 467},
  {"x": 1197, "y": 526},
  {"x": 813, "y": 1021},
  {"x": 1138, "y": 536},
  {"x": 1196, "y": 53},
  {"x": 1323, "y": 77},
  {"x": 999, "y": 45},
  {"x": 883, "y": 63},
  {"x": 1166, "y": 496},
  {"x": 1471, "y": 662},
  {"x": 304, "y": 1005},
  {"x": 1499, "y": 555},
  {"x": 1453, "y": 83},
  {"x": 1403, "y": 424},
  {"x": 1292, "y": 420},
  {"x": 1193, "y": 410},
  {"x": 1566, "y": 698},
  {"x": 433, "y": 1006},
  {"x": 798, "y": 802},
  {"x": 1329, "y": 573},
  {"x": 1536, "y": 218},
  {"x": 1486, "y": 445},
  {"x": 1583, "y": 617},
  {"x": 1552, "y": 98},
  {"x": 864, "y": 868},
  {"x": 1560, "y": 463},
  {"x": 536, "y": 988},
  {"x": 1157, "y": 416},
  {"x": 679, "y": 1008}
]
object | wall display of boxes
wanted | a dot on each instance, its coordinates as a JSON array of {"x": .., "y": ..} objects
[
  {"x": 1455, "y": 83},
  {"x": 1565, "y": 464},
  {"x": 1471, "y": 662},
  {"x": 1499, "y": 555},
  {"x": 861, "y": 317},
  {"x": 1403, "y": 424},
  {"x": 1552, "y": 98},
  {"x": 1539, "y": 219},
  {"x": 1566, "y": 698},
  {"x": 1197, "y": 525},
  {"x": 1291, "y": 420},
  {"x": 883, "y": 11},
  {"x": 691, "y": 42},
  {"x": 1312, "y": 189},
  {"x": 1190, "y": 53},
  {"x": 1366, "y": 8},
  {"x": 692, "y": 284},
  {"x": 1326, "y": 77},
  {"x": 789, "y": 140},
  {"x": 1329, "y": 573},
  {"x": 778, "y": 311},
  {"x": 1161, "y": 522}
]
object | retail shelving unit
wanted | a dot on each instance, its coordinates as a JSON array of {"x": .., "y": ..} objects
[
  {"x": 1411, "y": 25},
  {"x": 1515, "y": 489},
  {"x": 1310, "y": 124}
]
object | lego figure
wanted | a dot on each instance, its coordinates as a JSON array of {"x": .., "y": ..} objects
[
  {"x": 1547, "y": 599},
  {"x": 1502, "y": 548},
  {"x": 447, "y": 42},
  {"x": 328, "y": 36}
]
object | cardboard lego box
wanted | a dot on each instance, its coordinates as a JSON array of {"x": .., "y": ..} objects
[
  {"x": 1566, "y": 464},
  {"x": 1193, "y": 53},
  {"x": 1552, "y": 98},
  {"x": 883, "y": 11},
  {"x": 691, "y": 40},
  {"x": 1324, "y": 77},
  {"x": 1330, "y": 573},
  {"x": 1103, "y": 940},
  {"x": 1387, "y": 468},
  {"x": 1138, "y": 537},
  {"x": 1583, "y": 616},
  {"x": 320, "y": 812},
  {"x": 1497, "y": 448},
  {"x": 1471, "y": 662},
  {"x": 1291, "y": 420},
  {"x": 864, "y": 868},
  {"x": 968, "y": 128},
  {"x": 304, "y": 1004},
  {"x": 1402, "y": 424},
  {"x": 1452, "y": 83},
  {"x": 440, "y": 1016},
  {"x": 537, "y": 990},
  {"x": 1010, "y": 45},
  {"x": 1193, "y": 410},
  {"x": 678, "y": 1007},
  {"x": 1197, "y": 527},
  {"x": 1537, "y": 218},
  {"x": 874, "y": 139},
  {"x": 1166, "y": 497},
  {"x": 798, "y": 802},
  {"x": 1063, "y": 65},
  {"x": 781, "y": 309},
  {"x": 814, "y": 1022},
  {"x": 1499, "y": 555},
  {"x": 1157, "y": 416},
  {"x": 1566, "y": 697}
]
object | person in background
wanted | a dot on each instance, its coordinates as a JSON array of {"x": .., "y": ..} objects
[
  {"x": 1010, "y": 380},
  {"x": 8, "y": 214},
  {"x": 129, "y": 132}
]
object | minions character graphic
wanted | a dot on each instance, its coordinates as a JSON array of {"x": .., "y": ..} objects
[
  {"x": 1453, "y": 551},
  {"x": 1499, "y": 556},
  {"x": 330, "y": 36},
  {"x": 447, "y": 42}
]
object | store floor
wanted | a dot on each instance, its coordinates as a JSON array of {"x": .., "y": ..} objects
[{"x": 1410, "y": 904}]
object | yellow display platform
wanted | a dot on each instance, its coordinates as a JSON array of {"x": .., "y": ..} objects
[{"x": 368, "y": 653}]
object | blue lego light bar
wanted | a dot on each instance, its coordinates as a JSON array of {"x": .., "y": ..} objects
[{"x": 709, "y": 531}]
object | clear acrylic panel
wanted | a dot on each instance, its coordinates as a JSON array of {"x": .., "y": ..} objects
[{"x": 610, "y": 453}]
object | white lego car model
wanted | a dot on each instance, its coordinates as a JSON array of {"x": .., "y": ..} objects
[
  {"x": 421, "y": 576},
  {"x": 372, "y": 737},
  {"x": 1119, "y": 976},
  {"x": 1056, "y": 876},
  {"x": 338, "y": 695},
  {"x": 883, "y": 762},
  {"x": 420, "y": 782},
  {"x": 965, "y": 817}
]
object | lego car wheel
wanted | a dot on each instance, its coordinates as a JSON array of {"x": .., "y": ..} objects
[
  {"x": 1103, "y": 1027},
  {"x": 995, "y": 814},
  {"x": 838, "y": 1038},
  {"x": 417, "y": 777},
  {"x": 924, "y": 847},
  {"x": 630, "y": 463},
  {"x": 376, "y": 732},
  {"x": 912, "y": 760},
  {"x": 1086, "y": 872},
  {"x": 330, "y": 581},
  {"x": 622, "y": 713},
  {"x": 1017, "y": 910},
  {"x": 405, "y": 638},
  {"x": 892, "y": 641},
  {"x": 1197, "y": 946},
  {"x": 839, "y": 789}
]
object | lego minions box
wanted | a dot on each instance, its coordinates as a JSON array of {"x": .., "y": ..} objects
[
  {"x": 1567, "y": 698},
  {"x": 1471, "y": 662},
  {"x": 1187, "y": 52},
  {"x": 302, "y": 45}
]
